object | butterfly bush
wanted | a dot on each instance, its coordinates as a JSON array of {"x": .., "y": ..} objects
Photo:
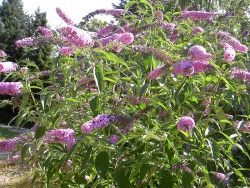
[
  {"x": 11, "y": 88},
  {"x": 183, "y": 67},
  {"x": 25, "y": 42},
  {"x": 157, "y": 72},
  {"x": 197, "y": 30},
  {"x": 9, "y": 145},
  {"x": 232, "y": 41},
  {"x": 197, "y": 15},
  {"x": 64, "y": 17},
  {"x": 63, "y": 136},
  {"x": 105, "y": 31},
  {"x": 8, "y": 66},
  {"x": 197, "y": 52},
  {"x": 78, "y": 37},
  {"x": 45, "y": 31},
  {"x": 222, "y": 176},
  {"x": 169, "y": 26},
  {"x": 240, "y": 74},
  {"x": 156, "y": 86},
  {"x": 2, "y": 53},
  {"x": 185, "y": 124}
]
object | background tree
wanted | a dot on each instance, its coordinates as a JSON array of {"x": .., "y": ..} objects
[
  {"x": 14, "y": 23},
  {"x": 93, "y": 25},
  {"x": 41, "y": 56}
]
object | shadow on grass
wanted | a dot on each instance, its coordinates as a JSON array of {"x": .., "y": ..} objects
[{"x": 5, "y": 133}]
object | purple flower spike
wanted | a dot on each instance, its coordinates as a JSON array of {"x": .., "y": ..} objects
[
  {"x": 61, "y": 136},
  {"x": 9, "y": 145},
  {"x": 222, "y": 176},
  {"x": 198, "y": 53},
  {"x": 7, "y": 66},
  {"x": 185, "y": 124},
  {"x": 197, "y": 15},
  {"x": 11, "y": 88}
]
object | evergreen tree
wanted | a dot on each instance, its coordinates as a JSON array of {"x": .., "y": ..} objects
[
  {"x": 41, "y": 56},
  {"x": 13, "y": 27},
  {"x": 93, "y": 25},
  {"x": 121, "y": 5}
]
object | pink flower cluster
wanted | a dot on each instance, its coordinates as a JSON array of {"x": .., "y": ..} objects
[
  {"x": 197, "y": 30},
  {"x": 45, "y": 31},
  {"x": 86, "y": 82},
  {"x": 169, "y": 26},
  {"x": 232, "y": 41},
  {"x": 240, "y": 74},
  {"x": 25, "y": 42},
  {"x": 244, "y": 127},
  {"x": 98, "y": 122},
  {"x": 136, "y": 100},
  {"x": 125, "y": 29},
  {"x": 78, "y": 37},
  {"x": 114, "y": 139},
  {"x": 63, "y": 136},
  {"x": 197, "y": 52},
  {"x": 2, "y": 53},
  {"x": 64, "y": 17},
  {"x": 197, "y": 15},
  {"x": 11, "y": 88},
  {"x": 7, "y": 66},
  {"x": 33, "y": 129},
  {"x": 185, "y": 124},
  {"x": 9, "y": 145},
  {"x": 197, "y": 62},
  {"x": 183, "y": 67},
  {"x": 113, "y": 12},
  {"x": 229, "y": 53},
  {"x": 183, "y": 167},
  {"x": 69, "y": 50},
  {"x": 222, "y": 176},
  {"x": 105, "y": 31},
  {"x": 122, "y": 38},
  {"x": 14, "y": 158},
  {"x": 157, "y": 72},
  {"x": 174, "y": 35}
]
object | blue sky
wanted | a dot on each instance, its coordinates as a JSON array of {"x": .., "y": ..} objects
[{"x": 74, "y": 9}]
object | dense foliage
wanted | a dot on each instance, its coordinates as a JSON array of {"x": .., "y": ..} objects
[{"x": 157, "y": 99}]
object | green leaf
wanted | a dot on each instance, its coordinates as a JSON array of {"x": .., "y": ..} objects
[
  {"x": 98, "y": 75},
  {"x": 143, "y": 89},
  {"x": 201, "y": 160},
  {"x": 94, "y": 104},
  {"x": 50, "y": 173},
  {"x": 221, "y": 116},
  {"x": 129, "y": 4},
  {"x": 143, "y": 171},
  {"x": 187, "y": 180},
  {"x": 215, "y": 150},
  {"x": 166, "y": 178},
  {"x": 86, "y": 158},
  {"x": 40, "y": 132},
  {"x": 121, "y": 180},
  {"x": 24, "y": 150},
  {"x": 148, "y": 4},
  {"x": 25, "y": 100},
  {"x": 69, "y": 153},
  {"x": 102, "y": 163},
  {"x": 43, "y": 99},
  {"x": 240, "y": 175}
]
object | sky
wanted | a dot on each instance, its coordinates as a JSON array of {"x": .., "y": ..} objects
[{"x": 74, "y": 9}]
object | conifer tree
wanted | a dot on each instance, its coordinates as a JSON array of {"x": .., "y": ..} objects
[
  {"x": 41, "y": 56},
  {"x": 13, "y": 27}
]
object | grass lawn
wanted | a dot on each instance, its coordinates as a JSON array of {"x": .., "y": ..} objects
[{"x": 5, "y": 133}]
